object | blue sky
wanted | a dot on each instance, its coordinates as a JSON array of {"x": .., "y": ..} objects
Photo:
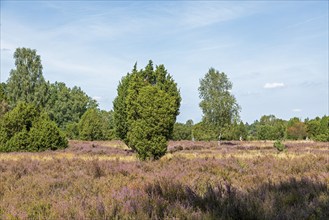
[{"x": 275, "y": 53}]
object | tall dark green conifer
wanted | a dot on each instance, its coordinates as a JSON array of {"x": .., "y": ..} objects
[
  {"x": 119, "y": 105},
  {"x": 145, "y": 110}
]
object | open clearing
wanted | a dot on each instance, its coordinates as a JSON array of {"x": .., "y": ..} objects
[{"x": 194, "y": 180}]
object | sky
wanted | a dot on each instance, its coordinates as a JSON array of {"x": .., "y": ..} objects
[{"x": 274, "y": 52}]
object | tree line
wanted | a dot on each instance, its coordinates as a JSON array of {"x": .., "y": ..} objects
[
  {"x": 33, "y": 110},
  {"x": 268, "y": 127},
  {"x": 69, "y": 111}
]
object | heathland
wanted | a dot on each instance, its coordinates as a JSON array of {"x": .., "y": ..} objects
[{"x": 194, "y": 180}]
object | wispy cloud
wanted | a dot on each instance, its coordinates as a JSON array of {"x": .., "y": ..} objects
[
  {"x": 196, "y": 15},
  {"x": 296, "y": 110},
  {"x": 273, "y": 85},
  {"x": 302, "y": 23}
]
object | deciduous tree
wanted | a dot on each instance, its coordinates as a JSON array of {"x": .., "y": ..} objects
[
  {"x": 66, "y": 106},
  {"x": 26, "y": 82},
  {"x": 218, "y": 105},
  {"x": 296, "y": 129}
]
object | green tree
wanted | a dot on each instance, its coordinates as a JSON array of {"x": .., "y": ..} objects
[
  {"x": 151, "y": 129},
  {"x": 324, "y": 126},
  {"x": 204, "y": 132},
  {"x": 318, "y": 128},
  {"x": 26, "y": 82},
  {"x": 2, "y": 92},
  {"x": 72, "y": 130},
  {"x": 108, "y": 125},
  {"x": 313, "y": 128},
  {"x": 4, "y": 107},
  {"x": 252, "y": 130},
  {"x": 120, "y": 106},
  {"x": 18, "y": 119},
  {"x": 145, "y": 110},
  {"x": 45, "y": 135},
  {"x": 26, "y": 128},
  {"x": 91, "y": 126},
  {"x": 234, "y": 131},
  {"x": 218, "y": 105},
  {"x": 270, "y": 128},
  {"x": 66, "y": 106},
  {"x": 296, "y": 129},
  {"x": 183, "y": 131}
]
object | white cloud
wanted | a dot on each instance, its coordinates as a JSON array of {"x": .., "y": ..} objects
[
  {"x": 273, "y": 85},
  {"x": 297, "y": 110}
]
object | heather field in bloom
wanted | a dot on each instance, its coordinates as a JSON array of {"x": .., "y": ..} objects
[{"x": 194, "y": 180}]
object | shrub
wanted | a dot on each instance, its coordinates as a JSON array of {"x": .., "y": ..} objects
[
  {"x": 182, "y": 132},
  {"x": 94, "y": 125},
  {"x": 147, "y": 146},
  {"x": 25, "y": 129},
  {"x": 72, "y": 130},
  {"x": 322, "y": 137},
  {"x": 148, "y": 134},
  {"x": 279, "y": 146},
  {"x": 204, "y": 132},
  {"x": 91, "y": 126},
  {"x": 46, "y": 135},
  {"x": 19, "y": 142}
]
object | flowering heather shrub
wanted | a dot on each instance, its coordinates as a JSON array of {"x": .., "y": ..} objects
[{"x": 256, "y": 183}]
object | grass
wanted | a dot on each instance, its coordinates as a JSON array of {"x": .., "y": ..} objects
[{"x": 197, "y": 180}]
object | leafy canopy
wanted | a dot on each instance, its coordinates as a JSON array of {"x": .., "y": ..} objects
[
  {"x": 96, "y": 125},
  {"x": 26, "y": 82},
  {"x": 218, "y": 105},
  {"x": 65, "y": 105}
]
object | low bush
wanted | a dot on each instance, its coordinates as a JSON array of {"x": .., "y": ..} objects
[
  {"x": 322, "y": 137},
  {"x": 91, "y": 126},
  {"x": 45, "y": 134},
  {"x": 279, "y": 146},
  {"x": 26, "y": 129}
]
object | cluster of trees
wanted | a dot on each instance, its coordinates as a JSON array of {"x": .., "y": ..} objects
[
  {"x": 268, "y": 127},
  {"x": 220, "y": 112},
  {"x": 271, "y": 128},
  {"x": 221, "y": 118},
  {"x": 71, "y": 111},
  {"x": 37, "y": 115}
]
